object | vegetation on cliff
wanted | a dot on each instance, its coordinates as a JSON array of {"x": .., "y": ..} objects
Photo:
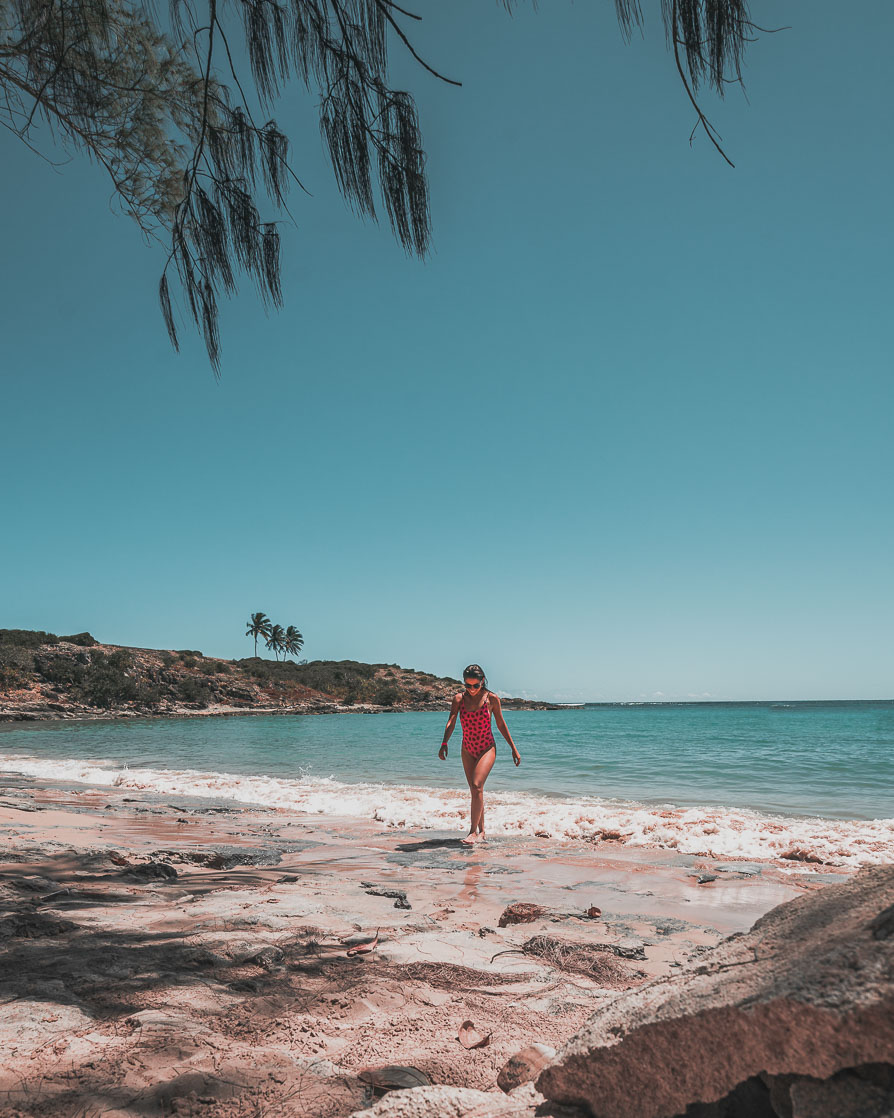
[{"x": 46, "y": 676}]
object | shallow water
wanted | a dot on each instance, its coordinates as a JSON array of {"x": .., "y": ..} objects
[{"x": 736, "y": 779}]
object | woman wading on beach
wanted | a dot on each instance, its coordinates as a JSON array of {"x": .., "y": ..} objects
[{"x": 475, "y": 705}]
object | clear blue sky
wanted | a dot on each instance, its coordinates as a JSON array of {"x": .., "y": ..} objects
[{"x": 626, "y": 434}]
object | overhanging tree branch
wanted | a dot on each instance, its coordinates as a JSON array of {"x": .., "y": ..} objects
[{"x": 189, "y": 161}]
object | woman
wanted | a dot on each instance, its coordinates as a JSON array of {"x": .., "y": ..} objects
[{"x": 475, "y": 706}]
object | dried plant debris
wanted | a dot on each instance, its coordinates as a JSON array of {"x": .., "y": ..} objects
[
  {"x": 595, "y": 960},
  {"x": 521, "y": 913}
]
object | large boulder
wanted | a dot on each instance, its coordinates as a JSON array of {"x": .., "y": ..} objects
[{"x": 757, "y": 1024}]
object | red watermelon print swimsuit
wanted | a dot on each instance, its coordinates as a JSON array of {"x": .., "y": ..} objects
[{"x": 478, "y": 737}]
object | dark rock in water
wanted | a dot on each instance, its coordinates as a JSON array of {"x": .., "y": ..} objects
[
  {"x": 225, "y": 857},
  {"x": 21, "y": 805},
  {"x": 287, "y": 879},
  {"x": 397, "y": 895},
  {"x": 151, "y": 871},
  {"x": 228, "y": 857},
  {"x": 703, "y": 878},
  {"x": 794, "y": 1019},
  {"x": 521, "y": 913},
  {"x": 749, "y": 869}
]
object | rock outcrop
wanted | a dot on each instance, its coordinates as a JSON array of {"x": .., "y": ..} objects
[{"x": 793, "y": 1019}]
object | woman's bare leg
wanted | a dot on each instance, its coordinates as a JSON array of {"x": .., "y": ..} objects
[{"x": 477, "y": 770}]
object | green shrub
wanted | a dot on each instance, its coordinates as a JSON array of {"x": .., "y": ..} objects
[
  {"x": 188, "y": 661},
  {"x": 19, "y": 660},
  {"x": 387, "y": 696},
  {"x": 11, "y": 678},
  {"x": 181, "y": 652},
  {"x": 64, "y": 671},
  {"x": 195, "y": 691},
  {"x": 26, "y": 638},
  {"x": 85, "y": 640},
  {"x": 168, "y": 658},
  {"x": 107, "y": 681},
  {"x": 335, "y": 677}
]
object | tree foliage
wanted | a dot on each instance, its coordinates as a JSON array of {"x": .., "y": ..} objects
[
  {"x": 293, "y": 641},
  {"x": 259, "y": 625},
  {"x": 160, "y": 105},
  {"x": 287, "y": 640}
]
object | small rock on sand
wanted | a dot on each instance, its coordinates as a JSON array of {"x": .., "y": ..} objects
[{"x": 524, "y": 1066}]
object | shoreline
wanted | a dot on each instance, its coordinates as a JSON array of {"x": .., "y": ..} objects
[
  {"x": 16, "y": 715},
  {"x": 153, "y": 940},
  {"x": 791, "y": 841}
]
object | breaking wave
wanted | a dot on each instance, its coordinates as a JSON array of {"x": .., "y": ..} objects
[{"x": 708, "y": 831}]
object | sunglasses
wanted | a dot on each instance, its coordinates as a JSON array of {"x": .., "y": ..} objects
[{"x": 473, "y": 686}]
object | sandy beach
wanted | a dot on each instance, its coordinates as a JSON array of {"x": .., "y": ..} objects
[{"x": 192, "y": 956}]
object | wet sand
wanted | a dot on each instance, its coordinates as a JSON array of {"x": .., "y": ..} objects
[{"x": 191, "y": 956}]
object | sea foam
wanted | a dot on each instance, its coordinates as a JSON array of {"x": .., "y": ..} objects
[{"x": 708, "y": 831}]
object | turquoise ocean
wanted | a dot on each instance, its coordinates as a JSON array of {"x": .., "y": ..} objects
[{"x": 806, "y": 780}]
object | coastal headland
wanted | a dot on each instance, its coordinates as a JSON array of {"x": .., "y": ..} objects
[{"x": 43, "y": 676}]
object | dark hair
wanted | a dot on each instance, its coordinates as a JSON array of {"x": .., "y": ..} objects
[{"x": 475, "y": 671}]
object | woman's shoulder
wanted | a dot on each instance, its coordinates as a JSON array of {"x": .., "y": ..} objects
[{"x": 457, "y": 698}]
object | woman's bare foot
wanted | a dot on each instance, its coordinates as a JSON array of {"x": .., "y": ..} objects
[{"x": 471, "y": 837}]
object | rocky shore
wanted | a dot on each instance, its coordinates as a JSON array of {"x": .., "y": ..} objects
[
  {"x": 198, "y": 957},
  {"x": 45, "y": 677}
]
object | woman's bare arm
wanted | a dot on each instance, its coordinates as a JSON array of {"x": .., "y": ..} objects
[
  {"x": 497, "y": 708},
  {"x": 451, "y": 722}
]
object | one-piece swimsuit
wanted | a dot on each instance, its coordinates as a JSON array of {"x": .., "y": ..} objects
[{"x": 478, "y": 737}]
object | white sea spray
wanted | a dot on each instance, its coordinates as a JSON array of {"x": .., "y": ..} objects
[{"x": 709, "y": 831}]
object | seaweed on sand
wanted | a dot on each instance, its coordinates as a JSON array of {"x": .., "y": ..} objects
[{"x": 595, "y": 960}]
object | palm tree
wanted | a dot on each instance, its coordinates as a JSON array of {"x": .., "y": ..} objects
[
  {"x": 294, "y": 641},
  {"x": 258, "y": 626},
  {"x": 276, "y": 639}
]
